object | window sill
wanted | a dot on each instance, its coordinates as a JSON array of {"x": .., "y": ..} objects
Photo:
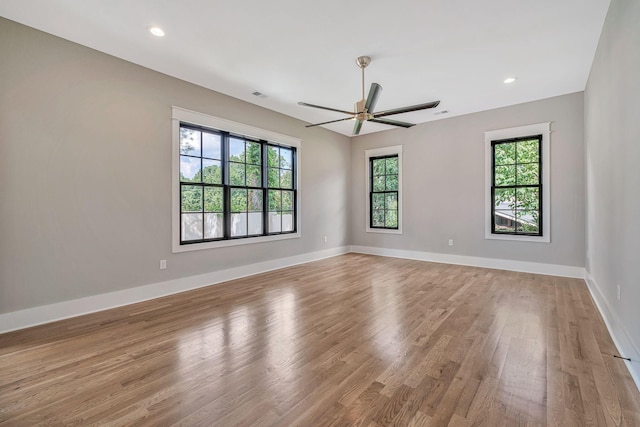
[
  {"x": 539, "y": 239},
  {"x": 383, "y": 230},
  {"x": 234, "y": 242}
]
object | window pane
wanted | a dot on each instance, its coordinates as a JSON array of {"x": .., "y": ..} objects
[
  {"x": 239, "y": 224},
  {"x": 285, "y": 158},
  {"x": 236, "y": 174},
  {"x": 528, "y": 151},
  {"x": 285, "y": 179},
  {"x": 391, "y": 201},
  {"x": 527, "y": 221},
  {"x": 275, "y": 222},
  {"x": 255, "y": 223},
  {"x": 253, "y": 176},
  {"x": 211, "y": 145},
  {"x": 191, "y": 198},
  {"x": 255, "y": 200},
  {"x": 213, "y": 199},
  {"x": 378, "y": 167},
  {"x": 527, "y": 198},
  {"x": 189, "y": 169},
  {"x": 287, "y": 200},
  {"x": 274, "y": 178},
  {"x": 191, "y": 226},
  {"x": 378, "y": 218},
  {"x": 272, "y": 157},
  {"x": 287, "y": 221},
  {"x": 238, "y": 200},
  {"x": 253, "y": 153},
  {"x": 236, "y": 150},
  {"x": 212, "y": 172},
  {"x": 189, "y": 142},
  {"x": 392, "y": 182},
  {"x": 505, "y": 221},
  {"x": 505, "y": 154},
  {"x": 378, "y": 183},
  {"x": 505, "y": 175},
  {"x": 213, "y": 226},
  {"x": 392, "y": 166},
  {"x": 391, "y": 219},
  {"x": 275, "y": 200},
  {"x": 528, "y": 174},
  {"x": 378, "y": 201},
  {"x": 504, "y": 198}
]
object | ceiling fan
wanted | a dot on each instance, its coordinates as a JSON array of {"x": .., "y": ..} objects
[{"x": 364, "y": 108}]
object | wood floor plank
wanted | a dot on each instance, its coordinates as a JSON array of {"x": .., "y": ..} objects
[{"x": 354, "y": 340}]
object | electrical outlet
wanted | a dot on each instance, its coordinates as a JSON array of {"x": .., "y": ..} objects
[
  {"x": 325, "y": 239},
  {"x": 450, "y": 242},
  {"x": 163, "y": 264},
  {"x": 619, "y": 292}
]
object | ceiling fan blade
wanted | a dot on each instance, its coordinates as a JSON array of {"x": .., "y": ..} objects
[
  {"x": 332, "y": 121},
  {"x": 372, "y": 99},
  {"x": 357, "y": 127},
  {"x": 392, "y": 123},
  {"x": 304, "y": 104},
  {"x": 407, "y": 109}
]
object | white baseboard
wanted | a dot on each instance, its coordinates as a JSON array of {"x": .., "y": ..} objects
[
  {"x": 49, "y": 313},
  {"x": 618, "y": 332},
  {"x": 501, "y": 264}
]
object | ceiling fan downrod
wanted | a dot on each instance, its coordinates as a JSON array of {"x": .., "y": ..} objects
[{"x": 362, "y": 62}]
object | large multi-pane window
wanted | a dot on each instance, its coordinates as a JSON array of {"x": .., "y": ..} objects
[
  {"x": 383, "y": 197},
  {"x": 232, "y": 186},
  {"x": 516, "y": 190}
]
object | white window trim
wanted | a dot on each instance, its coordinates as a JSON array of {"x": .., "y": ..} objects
[
  {"x": 543, "y": 129},
  {"x": 182, "y": 115},
  {"x": 385, "y": 151}
]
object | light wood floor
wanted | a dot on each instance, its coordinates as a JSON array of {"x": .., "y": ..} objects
[{"x": 351, "y": 340}]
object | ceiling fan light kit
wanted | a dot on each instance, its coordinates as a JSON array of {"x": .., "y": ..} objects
[{"x": 364, "y": 108}]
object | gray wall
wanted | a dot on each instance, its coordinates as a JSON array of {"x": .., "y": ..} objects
[
  {"x": 612, "y": 139},
  {"x": 444, "y": 176},
  {"x": 85, "y": 174}
]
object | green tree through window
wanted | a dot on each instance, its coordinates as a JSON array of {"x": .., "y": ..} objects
[
  {"x": 383, "y": 196},
  {"x": 516, "y": 186},
  {"x": 222, "y": 186}
]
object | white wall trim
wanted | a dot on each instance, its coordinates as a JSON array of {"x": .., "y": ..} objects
[
  {"x": 543, "y": 129},
  {"x": 501, "y": 264},
  {"x": 619, "y": 334},
  {"x": 49, "y": 313},
  {"x": 179, "y": 115}
]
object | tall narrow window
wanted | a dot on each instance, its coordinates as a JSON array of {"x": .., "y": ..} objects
[
  {"x": 245, "y": 182},
  {"x": 281, "y": 190},
  {"x": 518, "y": 183},
  {"x": 201, "y": 191},
  {"x": 231, "y": 187},
  {"x": 384, "y": 181},
  {"x": 517, "y": 188},
  {"x": 384, "y": 192}
]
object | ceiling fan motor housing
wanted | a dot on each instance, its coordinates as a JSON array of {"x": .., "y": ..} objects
[{"x": 363, "y": 61}]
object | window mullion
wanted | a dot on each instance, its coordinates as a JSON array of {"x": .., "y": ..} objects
[
  {"x": 226, "y": 216},
  {"x": 264, "y": 184}
]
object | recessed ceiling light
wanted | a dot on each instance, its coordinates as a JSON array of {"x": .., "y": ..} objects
[
  {"x": 156, "y": 31},
  {"x": 510, "y": 80}
]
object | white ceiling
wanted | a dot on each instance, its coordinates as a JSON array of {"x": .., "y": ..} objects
[{"x": 456, "y": 51}]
